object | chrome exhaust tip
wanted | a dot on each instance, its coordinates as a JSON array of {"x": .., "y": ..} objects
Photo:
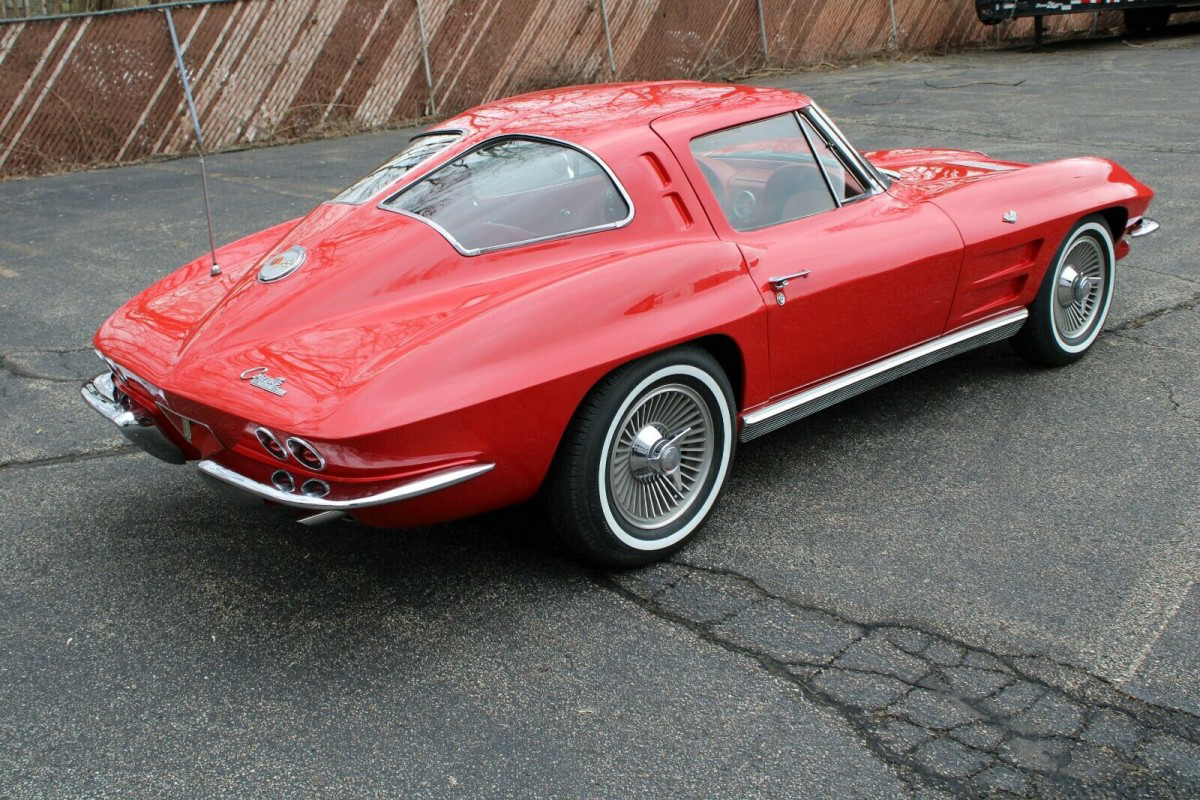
[{"x": 322, "y": 518}]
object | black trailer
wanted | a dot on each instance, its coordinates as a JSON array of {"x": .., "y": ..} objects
[{"x": 1141, "y": 16}]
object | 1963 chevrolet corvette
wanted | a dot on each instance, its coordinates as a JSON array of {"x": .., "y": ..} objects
[{"x": 591, "y": 294}]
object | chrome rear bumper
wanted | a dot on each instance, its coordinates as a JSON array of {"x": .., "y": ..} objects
[
  {"x": 135, "y": 424},
  {"x": 140, "y": 427},
  {"x": 1142, "y": 227},
  {"x": 325, "y": 510}
]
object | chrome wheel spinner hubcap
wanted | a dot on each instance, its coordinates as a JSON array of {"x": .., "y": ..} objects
[
  {"x": 1073, "y": 287},
  {"x": 654, "y": 455},
  {"x": 1079, "y": 288},
  {"x": 663, "y": 449}
]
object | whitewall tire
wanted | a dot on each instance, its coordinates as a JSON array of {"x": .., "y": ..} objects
[
  {"x": 644, "y": 459},
  {"x": 1073, "y": 300}
]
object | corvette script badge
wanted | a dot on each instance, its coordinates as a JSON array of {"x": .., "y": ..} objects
[{"x": 258, "y": 377}]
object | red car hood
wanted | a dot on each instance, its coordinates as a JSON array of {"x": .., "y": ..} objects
[
  {"x": 374, "y": 285},
  {"x": 949, "y": 167}
]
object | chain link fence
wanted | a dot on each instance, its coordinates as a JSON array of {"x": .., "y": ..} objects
[
  {"x": 15, "y": 9},
  {"x": 102, "y": 88}
]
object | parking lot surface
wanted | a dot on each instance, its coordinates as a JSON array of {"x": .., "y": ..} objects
[{"x": 980, "y": 578}]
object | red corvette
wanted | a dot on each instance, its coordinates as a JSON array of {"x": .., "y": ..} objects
[{"x": 592, "y": 294}]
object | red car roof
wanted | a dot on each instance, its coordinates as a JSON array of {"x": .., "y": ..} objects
[{"x": 591, "y": 115}]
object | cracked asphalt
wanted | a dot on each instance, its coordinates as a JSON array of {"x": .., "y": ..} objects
[{"x": 978, "y": 580}]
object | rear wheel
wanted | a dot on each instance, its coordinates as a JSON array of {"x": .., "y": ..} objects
[
  {"x": 644, "y": 459},
  {"x": 1072, "y": 303}
]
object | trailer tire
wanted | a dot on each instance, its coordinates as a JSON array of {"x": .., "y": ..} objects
[{"x": 1147, "y": 21}]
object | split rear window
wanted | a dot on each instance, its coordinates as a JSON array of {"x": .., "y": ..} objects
[{"x": 418, "y": 151}]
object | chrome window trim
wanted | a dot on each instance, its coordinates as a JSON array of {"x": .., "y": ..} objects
[
  {"x": 800, "y": 120},
  {"x": 851, "y": 159},
  {"x": 828, "y": 184},
  {"x": 439, "y": 132},
  {"x": 839, "y": 142},
  {"x": 769, "y": 225},
  {"x": 850, "y": 164},
  {"x": 474, "y": 251}
]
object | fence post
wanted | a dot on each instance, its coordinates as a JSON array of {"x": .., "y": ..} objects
[
  {"x": 431, "y": 106},
  {"x": 612, "y": 61},
  {"x": 895, "y": 30},
  {"x": 762, "y": 28}
]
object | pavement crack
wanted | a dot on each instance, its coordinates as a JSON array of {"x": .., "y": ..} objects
[
  {"x": 1184, "y": 278},
  {"x": 21, "y": 371},
  {"x": 1175, "y": 404},
  {"x": 1187, "y": 304},
  {"x": 69, "y": 458},
  {"x": 774, "y": 667},
  {"x": 943, "y": 714},
  {"x": 13, "y": 363},
  {"x": 1153, "y": 345},
  {"x": 59, "y": 351}
]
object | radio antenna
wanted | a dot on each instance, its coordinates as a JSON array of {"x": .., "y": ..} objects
[{"x": 187, "y": 92}]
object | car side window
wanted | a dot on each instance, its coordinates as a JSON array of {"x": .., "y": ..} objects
[
  {"x": 514, "y": 191},
  {"x": 843, "y": 182},
  {"x": 763, "y": 173}
]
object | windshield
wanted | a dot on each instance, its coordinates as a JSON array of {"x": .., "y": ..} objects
[
  {"x": 419, "y": 150},
  {"x": 515, "y": 191}
]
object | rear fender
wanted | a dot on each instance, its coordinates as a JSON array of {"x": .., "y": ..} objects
[{"x": 504, "y": 383}]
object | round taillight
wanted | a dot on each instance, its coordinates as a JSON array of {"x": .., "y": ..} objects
[
  {"x": 306, "y": 454},
  {"x": 283, "y": 481},
  {"x": 271, "y": 443},
  {"x": 314, "y": 488}
]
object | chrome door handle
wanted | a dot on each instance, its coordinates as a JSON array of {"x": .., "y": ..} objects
[{"x": 783, "y": 280}]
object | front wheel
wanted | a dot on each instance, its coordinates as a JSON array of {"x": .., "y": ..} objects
[
  {"x": 1072, "y": 302},
  {"x": 644, "y": 459}
]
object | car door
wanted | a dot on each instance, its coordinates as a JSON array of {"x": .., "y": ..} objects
[{"x": 850, "y": 274}]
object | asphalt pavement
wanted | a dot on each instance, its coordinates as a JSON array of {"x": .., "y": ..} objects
[{"x": 980, "y": 578}]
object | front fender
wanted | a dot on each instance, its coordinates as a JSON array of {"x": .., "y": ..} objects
[{"x": 1004, "y": 262}]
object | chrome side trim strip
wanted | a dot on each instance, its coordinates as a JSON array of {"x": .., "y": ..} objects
[
  {"x": 136, "y": 425},
  {"x": 1143, "y": 227},
  {"x": 810, "y": 401},
  {"x": 429, "y": 483}
]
